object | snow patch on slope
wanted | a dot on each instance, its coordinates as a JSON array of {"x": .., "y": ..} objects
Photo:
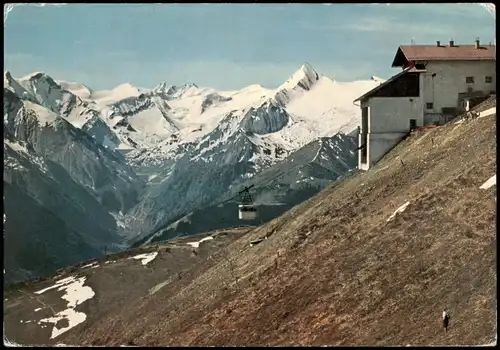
[
  {"x": 399, "y": 210},
  {"x": 75, "y": 294},
  {"x": 146, "y": 258},
  {"x": 197, "y": 244},
  {"x": 492, "y": 181}
]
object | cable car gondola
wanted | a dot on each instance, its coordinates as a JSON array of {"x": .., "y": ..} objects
[{"x": 247, "y": 210}]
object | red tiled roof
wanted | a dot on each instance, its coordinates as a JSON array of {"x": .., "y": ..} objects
[{"x": 445, "y": 53}]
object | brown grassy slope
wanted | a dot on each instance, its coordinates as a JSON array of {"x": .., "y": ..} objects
[
  {"x": 121, "y": 285},
  {"x": 355, "y": 279}
]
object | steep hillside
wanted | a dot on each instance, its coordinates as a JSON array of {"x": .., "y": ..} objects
[{"x": 342, "y": 268}]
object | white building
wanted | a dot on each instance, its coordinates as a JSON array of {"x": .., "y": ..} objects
[{"x": 436, "y": 84}]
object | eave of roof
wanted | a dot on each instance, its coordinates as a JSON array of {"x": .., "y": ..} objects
[{"x": 390, "y": 80}]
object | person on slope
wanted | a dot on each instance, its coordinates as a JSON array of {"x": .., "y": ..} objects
[{"x": 446, "y": 320}]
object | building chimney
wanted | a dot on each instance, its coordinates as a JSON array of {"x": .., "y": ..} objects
[
  {"x": 438, "y": 43},
  {"x": 452, "y": 43},
  {"x": 476, "y": 43}
]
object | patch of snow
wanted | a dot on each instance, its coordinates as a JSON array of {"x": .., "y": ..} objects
[
  {"x": 73, "y": 317},
  {"x": 38, "y": 309},
  {"x": 146, "y": 258},
  {"x": 89, "y": 265},
  {"x": 75, "y": 294},
  {"x": 197, "y": 244},
  {"x": 488, "y": 112},
  {"x": 16, "y": 146},
  {"x": 399, "y": 210},
  {"x": 319, "y": 150},
  {"x": 77, "y": 89},
  {"x": 121, "y": 92},
  {"x": 23, "y": 151},
  {"x": 157, "y": 287},
  {"x": 58, "y": 284},
  {"x": 44, "y": 115},
  {"x": 492, "y": 181}
]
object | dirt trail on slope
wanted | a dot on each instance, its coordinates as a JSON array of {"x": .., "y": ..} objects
[{"x": 333, "y": 270}]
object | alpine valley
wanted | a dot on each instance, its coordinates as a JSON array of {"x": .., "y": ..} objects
[{"x": 90, "y": 172}]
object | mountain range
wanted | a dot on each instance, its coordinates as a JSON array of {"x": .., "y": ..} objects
[{"x": 89, "y": 172}]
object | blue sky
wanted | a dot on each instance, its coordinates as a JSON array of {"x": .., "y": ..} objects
[{"x": 226, "y": 46}]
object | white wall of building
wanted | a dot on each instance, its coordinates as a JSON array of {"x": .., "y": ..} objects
[
  {"x": 388, "y": 122},
  {"x": 393, "y": 114},
  {"x": 443, "y": 89},
  {"x": 380, "y": 144}
]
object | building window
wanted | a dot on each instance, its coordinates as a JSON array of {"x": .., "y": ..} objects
[
  {"x": 469, "y": 80},
  {"x": 488, "y": 80},
  {"x": 413, "y": 124},
  {"x": 429, "y": 105}
]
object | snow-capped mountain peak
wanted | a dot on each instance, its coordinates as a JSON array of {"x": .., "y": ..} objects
[
  {"x": 78, "y": 89},
  {"x": 164, "y": 88},
  {"x": 7, "y": 77},
  {"x": 128, "y": 90},
  {"x": 303, "y": 78},
  {"x": 34, "y": 75},
  {"x": 12, "y": 84},
  {"x": 170, "y": 92}
]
